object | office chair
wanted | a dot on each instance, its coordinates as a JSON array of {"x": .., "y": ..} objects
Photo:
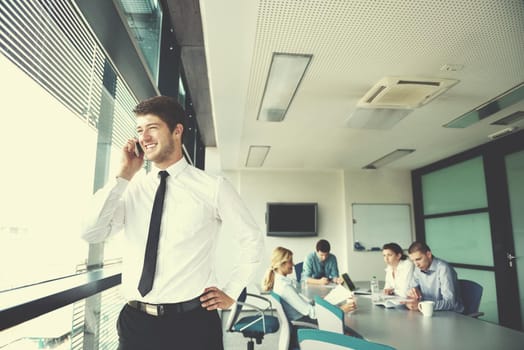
[
  {"x": 298, "y": 270},
  {"x": 331, "y": 318},
  {"x": 255, "y": 326},
  {"x": 285, "y": 325},
  {"x": 471, "y": 293},
  {"x": 315, "y": 339}
]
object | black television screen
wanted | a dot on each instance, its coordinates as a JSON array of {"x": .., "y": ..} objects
[{"x": 291, "y": 219}]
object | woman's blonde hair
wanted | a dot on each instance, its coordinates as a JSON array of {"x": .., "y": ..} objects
[{"x": 279, "y": 257}]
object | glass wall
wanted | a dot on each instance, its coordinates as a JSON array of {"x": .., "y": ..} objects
[
  {"x": 63, "y": 329},
  {"x": 144, "y": 20},
  {"x": 457, "y": 225}
]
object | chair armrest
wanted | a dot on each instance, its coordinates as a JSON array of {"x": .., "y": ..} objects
[
  {"x": 304, "y": 324},
  {"x": 258, "y": 309},
  {"x": 260, "y": 297}
]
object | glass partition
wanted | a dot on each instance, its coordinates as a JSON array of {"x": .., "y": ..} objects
[
  {"x": 462, "y": 238},
  {"x": 455, "y": 188}
]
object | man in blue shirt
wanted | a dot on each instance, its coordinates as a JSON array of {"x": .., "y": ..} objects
[
  {"x": 320, "y": 267},
  {"x": 433, "y": 279}
]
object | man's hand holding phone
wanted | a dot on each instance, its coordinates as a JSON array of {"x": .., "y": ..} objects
[
  {"x": 139, "y": 152},
  {"x": 132, "y": 159}
]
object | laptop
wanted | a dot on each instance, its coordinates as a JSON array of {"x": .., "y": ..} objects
[{"x": 351, "y": 286}]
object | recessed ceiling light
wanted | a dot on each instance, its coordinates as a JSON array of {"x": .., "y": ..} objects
[
  {"x": 388, "y": 158},
  {"x": 284, "y": 77},
  {"x": 489, "y": 108},
  {"x": 257, "y": 155}
]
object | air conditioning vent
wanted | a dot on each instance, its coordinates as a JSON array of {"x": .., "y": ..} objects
[{"x": 404, "y": 93}]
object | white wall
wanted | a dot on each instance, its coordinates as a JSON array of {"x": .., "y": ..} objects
[{"x": 334, "y": 191}]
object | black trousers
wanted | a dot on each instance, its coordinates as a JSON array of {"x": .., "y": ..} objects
[{"x": 198, "y": 329}]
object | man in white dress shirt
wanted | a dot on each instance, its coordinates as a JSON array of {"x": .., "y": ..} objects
[{"x": 179, "y": 311}]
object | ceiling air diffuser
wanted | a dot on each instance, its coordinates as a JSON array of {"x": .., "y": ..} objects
[{"x": 404, "y": 93}]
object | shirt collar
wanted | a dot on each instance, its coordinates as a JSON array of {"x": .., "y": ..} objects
[
  {"x": 174, "y": 169},
  {"x": 282, "y": 278},
  {"x": 432, "y": 267}
]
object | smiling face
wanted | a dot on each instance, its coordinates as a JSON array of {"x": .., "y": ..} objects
[
  {"x": 390, "y": 257},
  {"x": 160, "y": 145}
]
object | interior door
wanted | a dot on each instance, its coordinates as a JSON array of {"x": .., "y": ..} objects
[
  {"x": 515, "y": 177},
  {"x": 505, "y": 183}
]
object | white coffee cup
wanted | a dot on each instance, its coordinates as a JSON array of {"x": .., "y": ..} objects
[{"x": 426, "y": 307}]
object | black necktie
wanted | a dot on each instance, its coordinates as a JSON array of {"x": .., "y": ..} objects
[{"x": 148, "y": 272}]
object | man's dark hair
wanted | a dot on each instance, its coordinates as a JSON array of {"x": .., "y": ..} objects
[
  {"x": 323, "y": 246},
  {"x": 418, "y": 247},
  {"x": 165, "y": 107},
  {"x": 395, "y": 248}
]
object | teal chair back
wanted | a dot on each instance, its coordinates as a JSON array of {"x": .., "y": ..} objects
[
  {"x": 329, "y": 317},
  {"x": 285, "y": 327},
  {"x": 254, "y": 326},
  {"x": 316, "y": 339}
]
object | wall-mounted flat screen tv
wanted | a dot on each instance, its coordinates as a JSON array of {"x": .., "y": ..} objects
[{"x": 292, "y": 219}]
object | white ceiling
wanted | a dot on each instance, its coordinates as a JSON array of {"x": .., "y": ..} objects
[{"x": 354, "y": 44}]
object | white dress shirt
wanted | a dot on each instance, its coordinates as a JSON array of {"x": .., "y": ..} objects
[
  {"x": 400, "y": 282},
  {"x": 195, "y": 205},
  {"x": 295, "y": 305}
]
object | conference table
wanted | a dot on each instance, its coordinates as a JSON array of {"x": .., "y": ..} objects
[{"x": 405, "y": 329}]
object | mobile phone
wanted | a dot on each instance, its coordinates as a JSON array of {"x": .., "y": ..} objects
[{"x": 138, "y": 149}]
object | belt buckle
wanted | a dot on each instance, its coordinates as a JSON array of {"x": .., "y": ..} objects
[{"x": 154, "y": 310}]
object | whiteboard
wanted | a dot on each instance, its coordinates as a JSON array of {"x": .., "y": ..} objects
[{"x": 377, "y": 224}]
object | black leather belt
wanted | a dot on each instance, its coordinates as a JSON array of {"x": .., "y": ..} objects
[{"x": 162, "y": 309}]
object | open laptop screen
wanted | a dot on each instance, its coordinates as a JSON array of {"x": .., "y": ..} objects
[
  {"x": 351, "y": 286},
  {"x": 348, "y": 282}
]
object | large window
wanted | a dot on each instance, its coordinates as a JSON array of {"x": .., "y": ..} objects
[
  {"x": 66, "y": 113},
  {"x": 58, "y": 92},
  {"x": 48, "y": 157}
]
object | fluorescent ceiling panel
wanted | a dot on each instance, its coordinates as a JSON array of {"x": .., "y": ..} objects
[
  {"x": 256, "y": 156},
  {"x": 489, "y": 108},
  {"x": 388, "y": 158},
  {"x": 510, "y": 119},
  {"x": 284, "y": 77}
]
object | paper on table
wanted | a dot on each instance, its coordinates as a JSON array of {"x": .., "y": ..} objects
[
  {"x": 338, "y": 295},
  {"x": 390, "y": 301}
]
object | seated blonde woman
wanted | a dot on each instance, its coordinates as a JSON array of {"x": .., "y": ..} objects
[{"x": 296, "y": 306}]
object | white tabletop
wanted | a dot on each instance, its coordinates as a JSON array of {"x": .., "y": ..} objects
[{"x": 404, "y": 329}]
